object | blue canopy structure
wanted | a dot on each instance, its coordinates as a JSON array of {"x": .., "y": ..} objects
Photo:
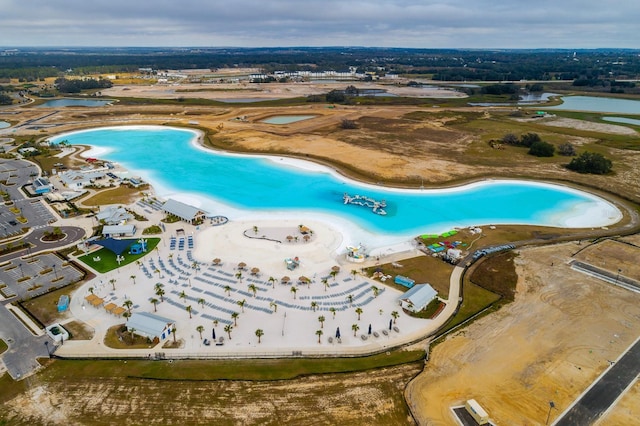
[{"x": 116, "y": 246}]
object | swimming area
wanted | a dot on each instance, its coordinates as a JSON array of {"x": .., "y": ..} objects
[{"x": 245, "y": 186}]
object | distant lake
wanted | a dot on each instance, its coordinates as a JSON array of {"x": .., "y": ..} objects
[
  {"x": 61, "y": 103},
  {"x": 598, "y": 104},
  {"x": 245, "y": 100},
  {"x": 4, "y": 124},
  {"x": 622, "y": 120},
  {"x": 529, "y": 98}
]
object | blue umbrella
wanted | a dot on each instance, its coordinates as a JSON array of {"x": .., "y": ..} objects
[
  {"x": 213, "y": 334},
  {"x": 338, "y": 333},
  {"x": 390, "y": 322}
]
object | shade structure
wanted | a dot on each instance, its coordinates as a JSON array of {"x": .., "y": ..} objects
[
  {"x": 242, "y": 265},
  {"x": 285, "y": 279},
  {"x": 255, "y": 271},
  {"x": 335, "y": 268},
  {"x": 114, "y": 245},
  {"x": 217, "y": 261}
]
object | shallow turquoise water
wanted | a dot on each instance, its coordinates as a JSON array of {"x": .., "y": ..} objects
[
  {"x": 598, "y": 104},
  {"x": 171, "y": 162}
]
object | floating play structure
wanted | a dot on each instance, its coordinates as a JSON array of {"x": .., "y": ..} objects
[
  {"x": 376, "y": 206},
  {"x": 356, "y": 254}
]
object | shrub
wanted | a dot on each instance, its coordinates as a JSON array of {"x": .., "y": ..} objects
[
  {"x": 567, "y": 149},
  {"x": 529, "y": 139},
  {"x": 590, "y": 162},
  {"x": 348, "y": 124},
  {"x": 542, "y": 149}
]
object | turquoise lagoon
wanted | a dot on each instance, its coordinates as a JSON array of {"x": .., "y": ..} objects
[{"x": 244, "y": 186}]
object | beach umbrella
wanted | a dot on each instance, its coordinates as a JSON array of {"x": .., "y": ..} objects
[
  {"x": 390, "y": 323},
  {"x": 306, "y": 237},
  {"x": 335, "y": 268},
  {"x": 213, "y": 333},
  {"x": 338, "y": 333},
  {"x": 289, "y": 238},
  {"x": 303, "y": 279},
  {"x": 285, "y": 280},
  {"x": 241, "y": 265},
  {"x": 369, "y": 328},
  {"x": 216, "y": 261},
  {"x": 254, "y": 271}
]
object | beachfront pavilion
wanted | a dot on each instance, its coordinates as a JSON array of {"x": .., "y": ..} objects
[
  {"x": 186, "y": 212},
  {"x": 150, "y": 325},
  {"x": 418, "y": 297}
]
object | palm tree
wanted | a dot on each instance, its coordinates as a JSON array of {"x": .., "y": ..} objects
[
  {"x": 326, "y": 283},
  {"x": 255, "y": 229},
  {"x": 228, "y": 329},
  {"x": 173, "y": 331},
  {"x": 157, "y": 271},
  {"x": 138, "y": 263},
  {"x": 91, "y": 290},
  {"x": 321, "y": 319},
  {"x": 235, "y": 316},
  {"x": 253, "y": 289},
  {"x": 112, "y": 281},
  {"x": 259, "y": 334},
  {"x": 294, "y": 290},
  {"x": 227, "y": 288},
  {"x": 350, "y": 299},
  {"x": 128, "y": 304},
  {"x": 380, "y": 311},
  {"x": 160, "y": 293},
  {"x": 188, "y": 308},
  {"x": 183, "y": 296},
  {"x": 200, "y": 329},
  {"x": 354, "y": 273},
  {"x": 375, "y": 290},
  {"x": 333, "y": 311},
  {"x": 333, "y": 274},
  {"x": 132, "y": 330},
  {"x": 355, "y": 329},
  {"x": 241, "y": 303},
  {"x": 239, "y": 276},
  {"x": 126, "y": 314},
  {"x": 133, "y": 278},
  {"x": 314, "y": 306},
  {"x": 319, "y": 334},
  {"x": 273, "y": 305},
  {"x": 395, "y": 316},
  {"x": 272, "y": 281},
  {"x": 215, "y": 323},
  {"x": 201, "y": 302},
  {"x": 154, "y": 301},
  {"x": 359, "y": 312}
]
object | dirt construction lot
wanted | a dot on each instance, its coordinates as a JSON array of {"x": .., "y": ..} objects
[{"x": 549, "y": 345}]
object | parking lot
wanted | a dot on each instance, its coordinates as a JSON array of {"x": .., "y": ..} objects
[{"x": 36, "y": 275}]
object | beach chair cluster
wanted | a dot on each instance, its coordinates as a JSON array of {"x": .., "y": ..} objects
[
  {"x": 190, "y": 242},
  {"x": 172, "y": 243}
]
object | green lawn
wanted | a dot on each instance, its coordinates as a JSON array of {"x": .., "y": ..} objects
[
  {"x": 108, "y": 260},
  {"x": 3, "y": 346}
]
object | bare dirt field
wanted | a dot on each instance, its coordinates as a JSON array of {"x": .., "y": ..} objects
[
  {"x": 350, "y": 399},
  {"x": 548, "y": 345}
]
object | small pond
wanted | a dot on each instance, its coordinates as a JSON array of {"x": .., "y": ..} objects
[
  {"x": 622, "y": 120},
  {"x": 60, "y": 103},
  {"x": 286, "y": 119},
  {"x": 598, "y": 104},
  {"x": 4, "y": 124}
]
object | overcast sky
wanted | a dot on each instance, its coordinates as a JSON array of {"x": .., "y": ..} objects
[{"x": 265, "y": 23}]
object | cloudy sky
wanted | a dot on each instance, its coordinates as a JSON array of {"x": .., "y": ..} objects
[{"x": 264, "y": 23}]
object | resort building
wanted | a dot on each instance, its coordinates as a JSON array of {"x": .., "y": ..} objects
[
  {"x": 41, "y": 186},
  {"x": 418, "y": 297},
  {"x": 119, "y": 230},
  {"x": 113, "y": 215},
  {"x": 74, "y": 179},
  {"x": 184, "y": 211},
  {"x": 150, "y": 325}
]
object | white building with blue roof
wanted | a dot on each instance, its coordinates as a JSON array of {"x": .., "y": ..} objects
[{"x": 418, "y": 297}]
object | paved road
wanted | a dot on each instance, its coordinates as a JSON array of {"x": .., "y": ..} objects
[{"x": 606, "y": 390}]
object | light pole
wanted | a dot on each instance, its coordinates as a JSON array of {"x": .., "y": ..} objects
[
  {"x": 21, "y": 271},
  {"x": 551, "y": 406},
  {"x": 618, "y": 276},
  {"x": 46, "y": 344},
  {"x": 55, "y": 272}
]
